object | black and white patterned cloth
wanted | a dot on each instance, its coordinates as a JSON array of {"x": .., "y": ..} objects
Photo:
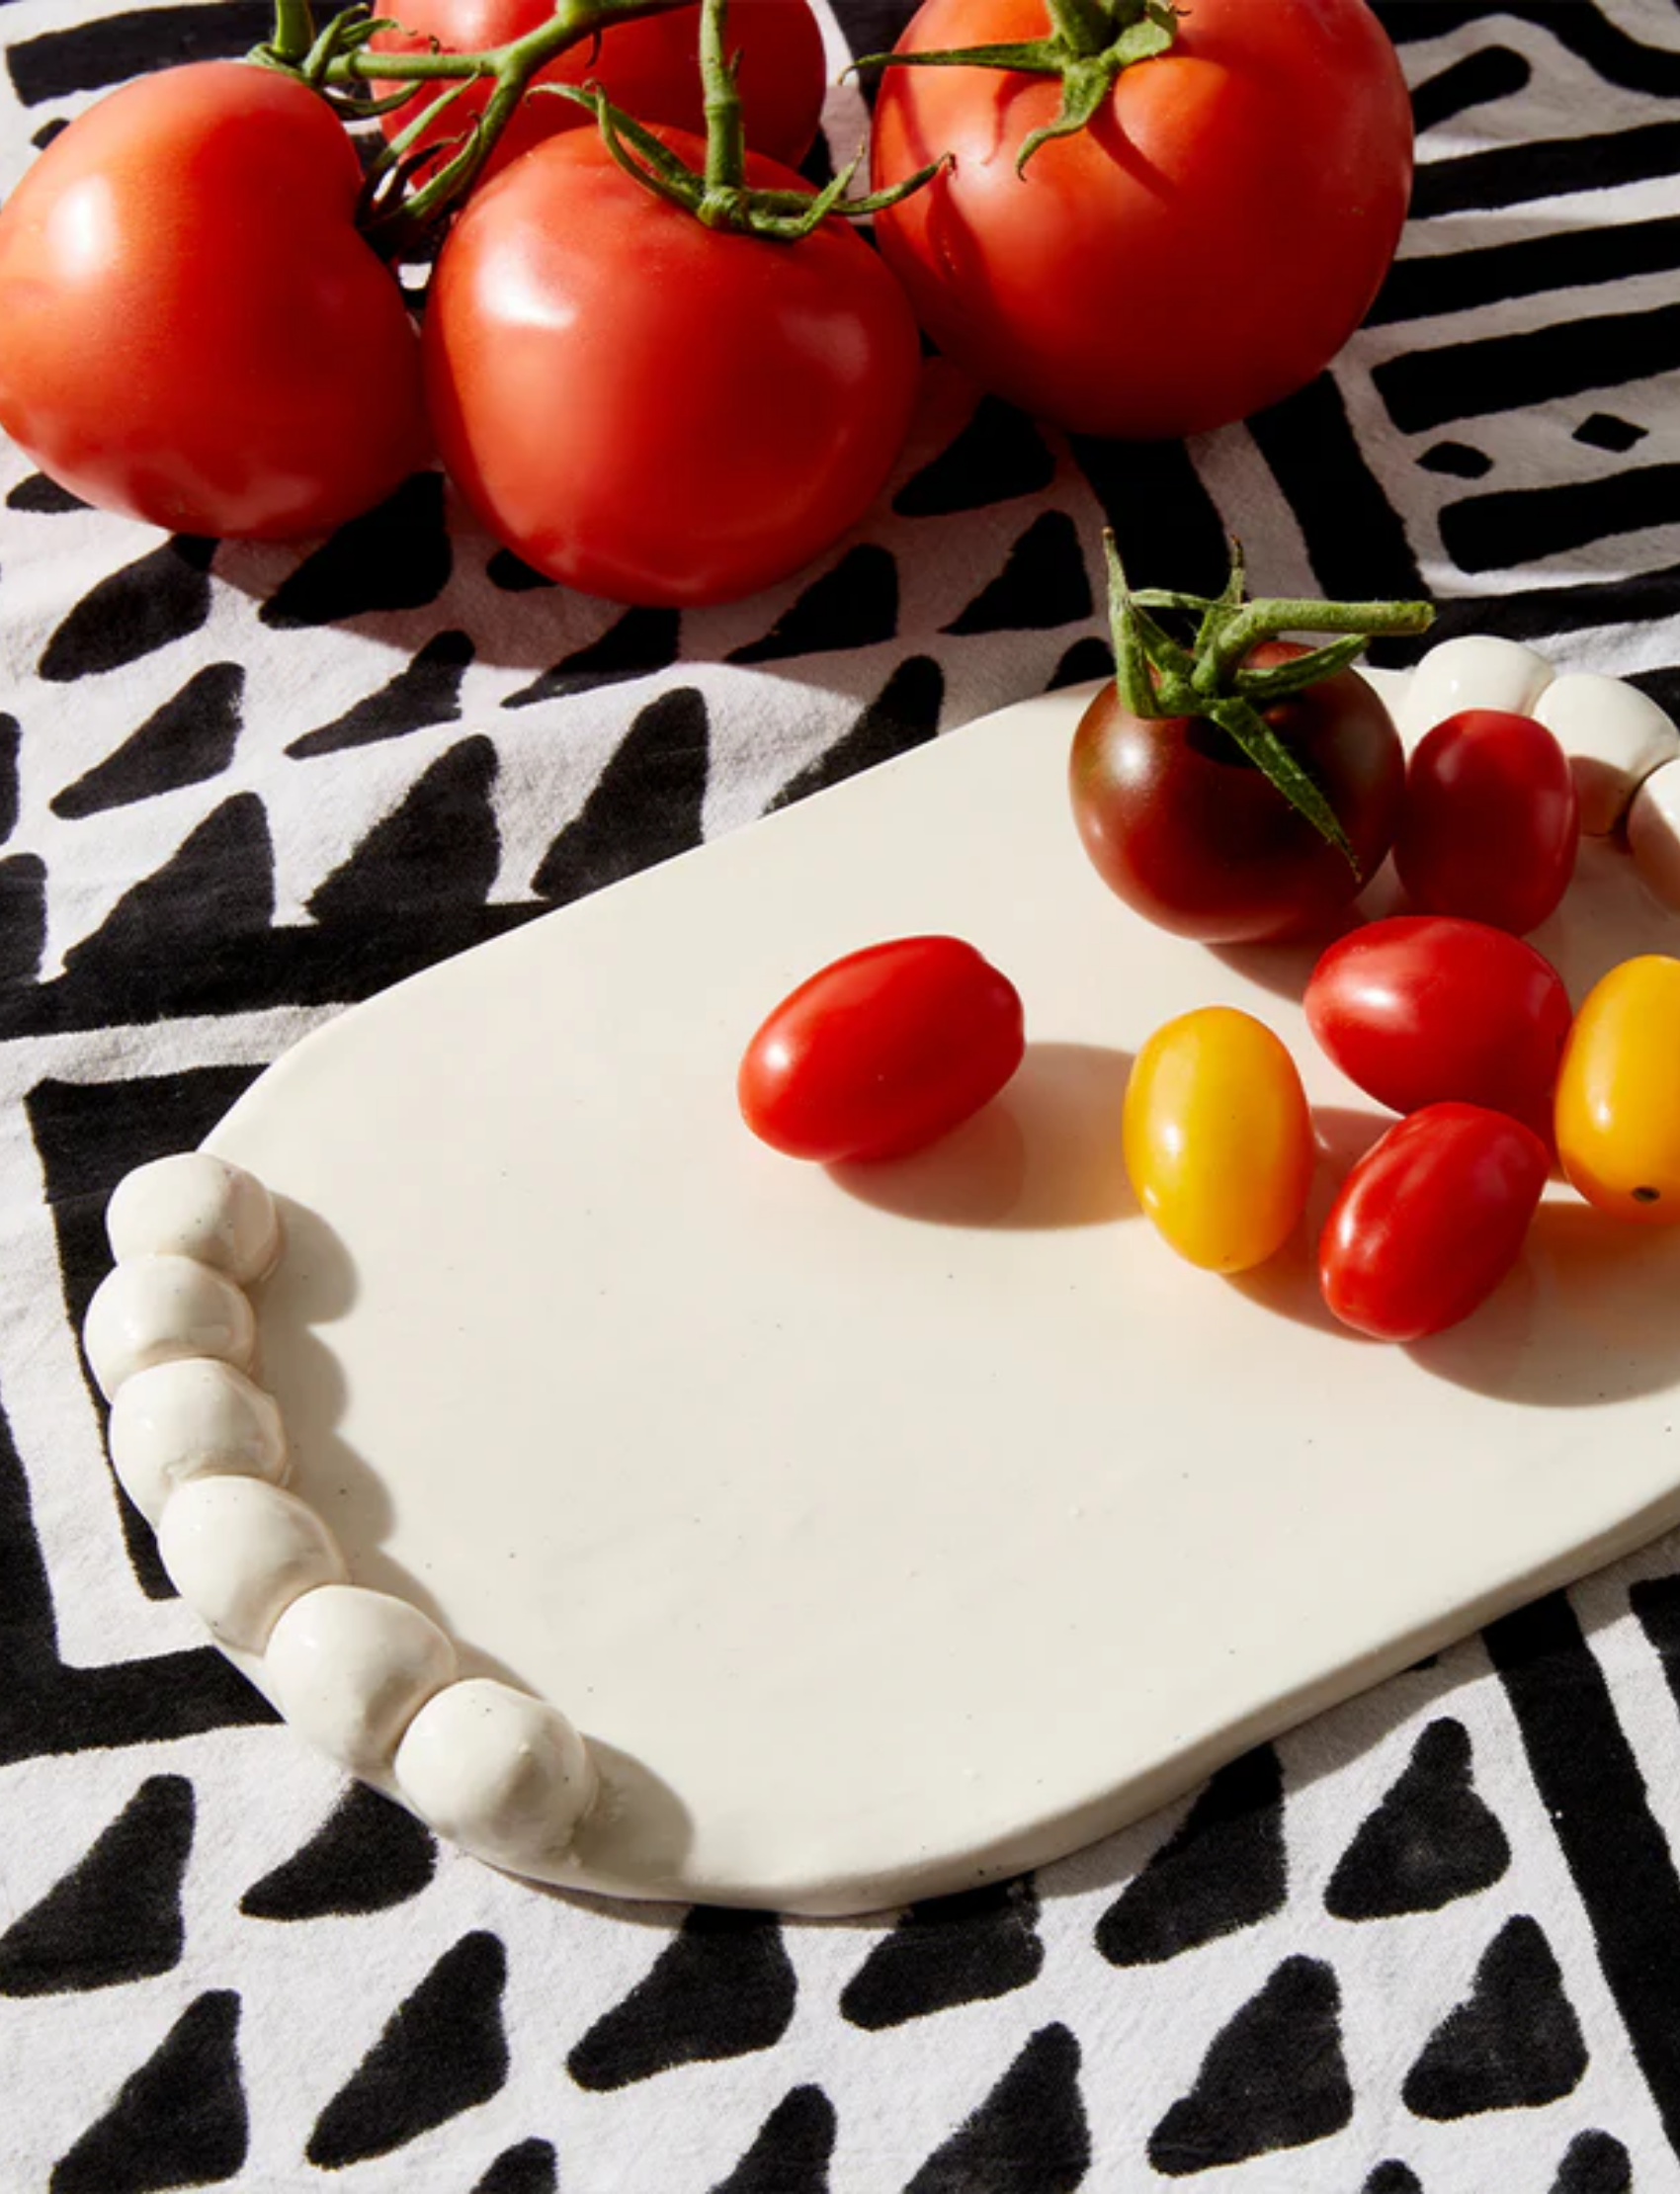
[{"x": 1432, "y": 1941}]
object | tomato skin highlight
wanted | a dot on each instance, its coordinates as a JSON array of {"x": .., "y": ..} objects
[
  {"x": 1618, "y": 1112},
  {"x": 1218, "y": 1139},
  {"x": 1183, "y": 827},
  {"x": 883, "y": 1052},
  {"x": 1129, "y": 282},
  {"x": 1423, "y": 1008},
  {"x": 650, "y": 68},
  {"x": 192, "y": 332},
  {"x": 686, "y": 437},
  {"x": 1492, "y": 821},
  {"x": 1430, "y": 1221}
]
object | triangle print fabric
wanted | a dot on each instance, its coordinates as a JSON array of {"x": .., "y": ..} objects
[{"x": 1429, "y": 1943}]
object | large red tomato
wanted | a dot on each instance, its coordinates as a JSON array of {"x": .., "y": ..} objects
[
  {"x": 655, "y": 410},
  {"x": 1186, "y": 829},
  {"x": 650, "y": 67},
  {"x": 1204, "y": 247},
  {"x": 192, "y": 331}
]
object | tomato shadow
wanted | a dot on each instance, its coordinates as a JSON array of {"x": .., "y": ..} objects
[
  {"x": 1287, "y": 1284},
  {"x": 1284, "y": 965},
  {"x": 1045, "y": 1154},
  {"x": 1585, "y": 1317}
]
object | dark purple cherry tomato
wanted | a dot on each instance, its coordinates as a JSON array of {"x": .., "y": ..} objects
[
  {"x": 1186, "y": 829},
  {"x": 881, "y": 1053},
  {"x": 1491, "y": 821},
  {"x": 1430, "y": 1221},
  {"x": 1425, "y": 1007}
]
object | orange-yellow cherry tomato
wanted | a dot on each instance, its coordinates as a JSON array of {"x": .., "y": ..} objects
[
  {"x": 1218, "y": 1138},
  {"x": 1618, "y": 1105}
]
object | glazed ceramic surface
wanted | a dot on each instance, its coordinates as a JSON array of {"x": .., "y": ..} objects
[{"x": 888, "y": 1528}]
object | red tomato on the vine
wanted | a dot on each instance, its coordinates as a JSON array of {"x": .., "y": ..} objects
[
  {"x": 1492, "y": 821},
  {"x": 192, "y": 331},
  {"x": 1430, "y": 1221},
  {"x": 653, "y": 410},
  {"x": 1423, "y": 1008},
  {"x": 879, "y": 1053},
  {"x": 1186, "y": 829},
  {"x": 1204, "y": 247},
  {"x": 650, "y": 67}
]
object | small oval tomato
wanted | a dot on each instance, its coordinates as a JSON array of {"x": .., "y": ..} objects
[
  {"x": 1618, "y": 1110},
  {"x": 881, "y": 1053},
  {"x": 1218, "y": 1138},
  {"x": 1491, "y": 821},
  {"x": 192, "y": 331},
  {"x": 1186, "y": 829},
  {"x": 1430, "y": 1221},
  {"x": 1424, "y": 1007},
  {"x": 1204, "y": 247},
  {"x": 686, "y": 436},
  {"x": 650, "y": 67}
]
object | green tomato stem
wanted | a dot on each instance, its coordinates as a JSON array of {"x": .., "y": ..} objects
[
  {"x": 1157, "y": 677},
  {"x": 1091, "y": 45}
]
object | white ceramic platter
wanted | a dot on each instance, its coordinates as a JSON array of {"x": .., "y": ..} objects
[{"x": 890, "y": 1529}]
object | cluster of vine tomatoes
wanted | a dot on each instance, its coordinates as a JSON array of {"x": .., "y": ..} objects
[
  {"x": 195, "y": 331},
  {"x": 1445, "y": 1015}
]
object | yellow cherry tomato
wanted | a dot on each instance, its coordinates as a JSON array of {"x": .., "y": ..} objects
[
  {"x": 1618, "y": 1103},
  {"x": 1218, "y": 1138}
]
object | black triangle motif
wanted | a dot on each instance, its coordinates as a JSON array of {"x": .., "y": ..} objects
[
  {"x": 1514, "y": 2042},
  {"x": 1168, "y": 526},
  {"x": 1392, "y": 2178},
  {"x": 1431, "y": 1839},
  {"x": 1087, "y": 658},
  {"x": 947, "y": 1951},
  {"x": 441, "y": 847},
  {"x": 1459, "y": 460},
  {"x": 905, "y": 713},
  {"x": 1274, "y": 2077},
  {"x": 855, "y": 605},
  {"x": 1030, "y": 2136},
  {"x": 514, "y": 575},
  {"x": 10, "y": 738},
  {"x": 722, "y": 1988},
  {"x": 116, "y": 1916},
  {"x": 395, "y": 557},
  {"x": 646, "y": 805},
  {"x": 528, "y": 2167},
  {"x": 178, "y": 2121},
  {"x": 36, "y": 492},
  {"x": 1044, "y": 582},
  {"x": 792, "y": 2151},
  {"x": 214, "y": 892},
  {"x": 998, "y": 455},
  {"x": 442, "y": 2051},
  {"x": 427, "y": 692},
  {"x": 365, "y": 1856},
  {"x": 189, "y": 740},
  {"x": 639, "y": 642},
  {"x": 1224, "y": 1868},
  {"x": 159, "y": 598},
  {"x": 23, "y": 916},
  {"x": 1603, "y": 430},
  {"x": 1594, "y": 2163}
]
